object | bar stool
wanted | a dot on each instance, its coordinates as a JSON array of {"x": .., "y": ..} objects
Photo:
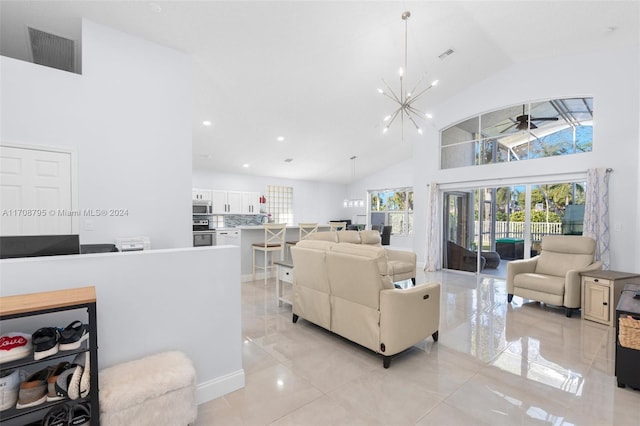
[
  {"x": 337, "y": 226},
  {"x": 273, "y": 242},
  {"x": 305, "y": 229}
]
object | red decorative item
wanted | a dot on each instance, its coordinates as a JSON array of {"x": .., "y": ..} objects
[{"x": 10, "y": 342}]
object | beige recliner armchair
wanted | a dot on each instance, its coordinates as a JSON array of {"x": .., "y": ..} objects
[{"x": 553, "y": 276}]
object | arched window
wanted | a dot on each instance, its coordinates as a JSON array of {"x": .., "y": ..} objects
[{"x": 520, "y": 132}]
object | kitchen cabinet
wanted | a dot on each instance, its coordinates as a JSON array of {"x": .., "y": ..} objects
[
  {"x": 250, "y": 202},
  {"x": 219, "y": 202},
  {"x": 235, "y": 202},
  {"x": 200, "y": 194},
  {"x": 601, "y": 292},
  {"x": 41, "y": 308}
]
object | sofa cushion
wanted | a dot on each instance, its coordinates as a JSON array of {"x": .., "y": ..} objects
[
  {"x": 315, "y": 244},
  {"x": 542, "y": 283},
  {"x": 378, "y": 254},
  {"x": 324, "y": 236},
  {"x": 352, "y": 237},
  {"x": 370, "y": 237},
  {"x": 553, "y": 263}
]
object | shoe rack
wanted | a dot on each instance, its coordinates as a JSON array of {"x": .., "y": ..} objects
[{"x": 36, "y": 307}]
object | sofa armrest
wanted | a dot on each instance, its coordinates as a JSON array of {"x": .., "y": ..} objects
[
  {"x": 573, "y": 285},
  {"x": 401, "y": 255},
  {"x": 408, "y": 316},
  {"x": 516, "y": 267}
]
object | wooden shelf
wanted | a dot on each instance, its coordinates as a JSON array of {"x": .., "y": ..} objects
[{"x": 24, "y": 303}]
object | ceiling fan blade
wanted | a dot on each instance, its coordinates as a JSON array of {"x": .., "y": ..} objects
[
  {"x": 508, "y": 128},
  {"x": 544, "y": 118}
]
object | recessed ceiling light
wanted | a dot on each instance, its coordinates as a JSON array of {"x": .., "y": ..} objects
[
  {"x": 245, "y": 165},
  {"x": 428, "y": 115},
  {"x": 206, "y": 123},
  {"x": 280, "y": 138}
]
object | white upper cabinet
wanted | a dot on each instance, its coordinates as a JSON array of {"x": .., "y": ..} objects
[
  {"x": 200, "y": 194},
  {"x": 250, "y": 202},
  {"x": 219, "y": 202},
  {"x": 231, "y": 202}
]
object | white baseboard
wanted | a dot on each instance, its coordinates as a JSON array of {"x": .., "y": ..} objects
[{"x": 219, "y": 386}]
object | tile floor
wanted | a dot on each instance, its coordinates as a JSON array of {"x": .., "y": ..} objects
[{"x": 494, "y": 364}]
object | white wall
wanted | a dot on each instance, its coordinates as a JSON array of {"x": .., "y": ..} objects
[
  {"x": 151, "y": 301},
  {"x": 610, "y": 77},
  {"x": 128, "y": 117},
  {"x": 312, "y": 201}
]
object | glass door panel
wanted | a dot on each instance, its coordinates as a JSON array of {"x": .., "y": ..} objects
[{"x": 459, "y": 231}]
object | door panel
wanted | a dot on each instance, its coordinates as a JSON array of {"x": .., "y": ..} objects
[{"x": 36, "y": 192}]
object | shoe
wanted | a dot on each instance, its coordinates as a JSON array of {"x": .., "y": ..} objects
[
  {"x": 33, "y": 391},
  {"x": 14, "y": 346},
  {"x": 51, "y": 381},
  {"x": 79, "y": 382},
  {"x": 9, "y": 386},
  {"x": 73, "y": 335},
  {"x": 57, "y": 416},
  {"x": 63, "y": 382},
  {"x": 80, "y": 415},
  {"x": 45, "y": 342}
]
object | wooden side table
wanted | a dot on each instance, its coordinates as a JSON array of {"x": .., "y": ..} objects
[{"x": 601, "y": 292}]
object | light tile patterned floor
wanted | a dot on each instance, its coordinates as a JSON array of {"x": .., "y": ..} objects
[{"x": 494, "y": 364}]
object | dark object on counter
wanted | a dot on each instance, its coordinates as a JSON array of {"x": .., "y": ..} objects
[
  {"x": 97, "y": 248},
  {"x": 38, "y": 245}
]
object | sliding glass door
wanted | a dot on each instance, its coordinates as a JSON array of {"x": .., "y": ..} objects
[{"x": 484, "y": 228}]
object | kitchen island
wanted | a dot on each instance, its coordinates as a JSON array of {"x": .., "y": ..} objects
[{"x": 255, "y": 234}]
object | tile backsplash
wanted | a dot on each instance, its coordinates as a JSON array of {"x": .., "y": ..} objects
[{"x": 231, "y": 220}]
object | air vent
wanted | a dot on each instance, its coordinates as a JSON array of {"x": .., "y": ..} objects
[
  {"x": 52, "y": 51},
  {"x": 445, "y": 54}
]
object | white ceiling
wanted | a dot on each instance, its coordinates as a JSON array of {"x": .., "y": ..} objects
[{"x": 309, "y": 70}]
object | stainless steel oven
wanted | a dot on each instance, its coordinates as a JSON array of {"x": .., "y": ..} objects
[{"x": 204, "y": 238}]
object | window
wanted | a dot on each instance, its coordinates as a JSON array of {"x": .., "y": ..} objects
[
  {"x": 280, "y": 204},
  {"x": 520, "y": 132},
  {"x": 393, "y": 207}
]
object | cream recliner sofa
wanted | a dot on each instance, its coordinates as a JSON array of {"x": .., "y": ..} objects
[
  {"x": 346, "y": 288},
  {"x": 553, "y": 276},
  {"x": 401, "y": 263}
]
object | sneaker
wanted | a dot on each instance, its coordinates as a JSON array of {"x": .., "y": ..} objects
[
  {"x": 80, "y": 415},
  {"x": 51, "y": 381},
  {"x": 63, "y": 382},
  {"x": 33, "y": 391},
  {"x": 9, "y": 386},
  {"x": 57, "y": 416},
  {"x": 45, "y": 342},
  {"x": 73, "y": 335},
  {"x": 79, "y": 383},
  {"x": 14, "y": 346}
]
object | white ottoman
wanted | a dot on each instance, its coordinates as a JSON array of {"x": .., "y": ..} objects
[{"x": 155, "y": 390}]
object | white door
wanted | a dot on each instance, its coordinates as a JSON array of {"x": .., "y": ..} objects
[{"x": 36, "y": 192}]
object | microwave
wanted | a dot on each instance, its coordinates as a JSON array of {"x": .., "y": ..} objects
[{"x": 202, "y": 208}]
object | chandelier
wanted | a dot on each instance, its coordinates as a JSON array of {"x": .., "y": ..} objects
[{"x": 404, "y": 99}]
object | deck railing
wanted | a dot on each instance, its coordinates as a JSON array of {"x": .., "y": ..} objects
[{"x": 516, "y": 229}]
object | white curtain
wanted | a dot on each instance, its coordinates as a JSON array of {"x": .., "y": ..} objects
[
  {"x": 433, "y": 258},
  {"x": 596, "y": 212}
]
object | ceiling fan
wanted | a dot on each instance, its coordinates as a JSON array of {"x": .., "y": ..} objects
[{"x": 524, "y": 122}]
